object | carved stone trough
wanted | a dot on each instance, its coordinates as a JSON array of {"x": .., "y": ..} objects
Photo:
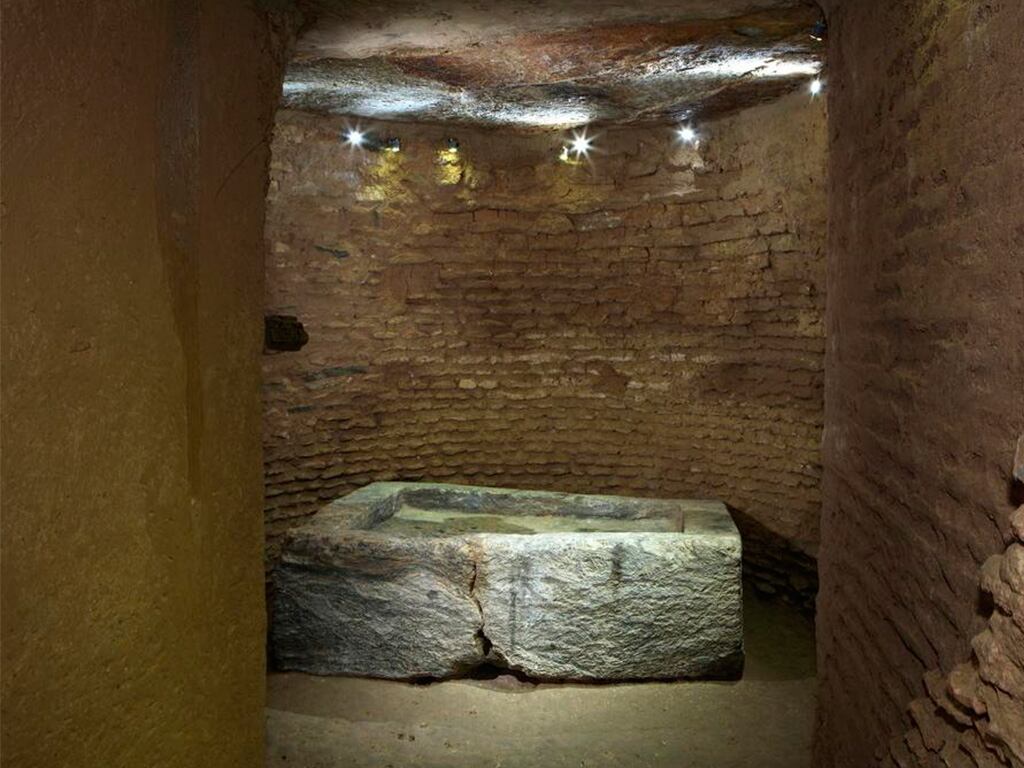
[{"x": 418, "y": 580}]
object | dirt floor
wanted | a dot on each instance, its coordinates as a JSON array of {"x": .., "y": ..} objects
[{"x": 761, "y": 721}]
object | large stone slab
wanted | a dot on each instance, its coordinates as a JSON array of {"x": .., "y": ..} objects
[
  {"x": 609, "y": 606},
  {"x": 407, "y": 580}
]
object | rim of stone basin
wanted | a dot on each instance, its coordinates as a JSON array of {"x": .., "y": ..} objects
[{"x": 409, "y": 508}]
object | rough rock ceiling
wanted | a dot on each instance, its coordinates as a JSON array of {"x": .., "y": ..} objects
[{"x": 544, "y": 63}]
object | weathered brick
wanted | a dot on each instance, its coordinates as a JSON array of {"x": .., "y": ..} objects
[{"x": 563, "y": 328}]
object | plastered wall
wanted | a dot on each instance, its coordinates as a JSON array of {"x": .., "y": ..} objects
[
  {"x": 134, "y": 163},
  {"x": 925, "y": 370},
  {"x": 647, "y": 323}
]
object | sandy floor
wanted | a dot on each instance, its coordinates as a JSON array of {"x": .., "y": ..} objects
[{"x": 761, "y": 721}]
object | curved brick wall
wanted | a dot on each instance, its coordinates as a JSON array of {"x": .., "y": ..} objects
[
  {"x": 650, "y": 325},
  {"x": 925, "y": 362}
]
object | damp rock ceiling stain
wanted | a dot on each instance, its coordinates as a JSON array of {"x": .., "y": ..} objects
[{"x": 551, "y": 64}]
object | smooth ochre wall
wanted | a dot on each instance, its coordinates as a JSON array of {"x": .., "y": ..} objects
[
  {"x": 133, "y": 176},
  {"x": 648, "y": 322},
  {"x": 925, "y": 364}
]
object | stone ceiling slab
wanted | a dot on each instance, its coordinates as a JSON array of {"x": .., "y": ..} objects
[{"x": 550, "y": 64}]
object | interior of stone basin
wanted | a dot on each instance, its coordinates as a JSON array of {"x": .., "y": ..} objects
[
  {"x": 454, "y": 511},
  {"x": 412, "y": 520}
]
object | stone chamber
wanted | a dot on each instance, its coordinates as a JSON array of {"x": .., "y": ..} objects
[{"x": 760, "y": 251}]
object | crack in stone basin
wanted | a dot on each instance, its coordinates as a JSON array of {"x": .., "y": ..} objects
[{"x": 412, "y": 580}]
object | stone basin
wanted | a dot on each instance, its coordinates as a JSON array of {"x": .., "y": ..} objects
[{"x": 421, "y": 580}]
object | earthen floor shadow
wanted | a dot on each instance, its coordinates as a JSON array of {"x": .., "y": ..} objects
[{"x": 763, "y": 720}]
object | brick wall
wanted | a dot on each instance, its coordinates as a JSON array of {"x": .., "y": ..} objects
[
  {"x": 925, "y": 361},
  {"x": 650, "y": 323}
]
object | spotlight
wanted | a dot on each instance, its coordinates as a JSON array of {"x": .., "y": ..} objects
[
  {"x": 816, "y": 86},
  {"x": 687, "y": 134},
  {"x": 580, "y": 144},
  {"x": 354, "y": 137}
]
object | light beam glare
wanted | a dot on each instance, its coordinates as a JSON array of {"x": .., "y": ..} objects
[
  {"x": 580, "y": 144},
  {"x": 355, "y": 137}
]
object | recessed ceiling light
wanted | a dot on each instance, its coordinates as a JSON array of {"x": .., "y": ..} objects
[{"x": 580, "y": 144}]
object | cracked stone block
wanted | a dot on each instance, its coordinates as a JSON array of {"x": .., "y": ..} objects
[
  {"x": 376, "y": 605},
  {"x": 410, "y": 580}
]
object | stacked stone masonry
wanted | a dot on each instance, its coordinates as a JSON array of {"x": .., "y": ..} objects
[
  {"x": 925, "y": 361},
  {"x": 646, "y": 322},
  {"x": 974, "y": 716}
]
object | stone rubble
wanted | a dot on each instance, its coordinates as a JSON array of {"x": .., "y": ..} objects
[{"x": 974, "y": 716}]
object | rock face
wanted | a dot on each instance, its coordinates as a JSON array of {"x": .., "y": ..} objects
[{"x": 356, "y": 595}]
